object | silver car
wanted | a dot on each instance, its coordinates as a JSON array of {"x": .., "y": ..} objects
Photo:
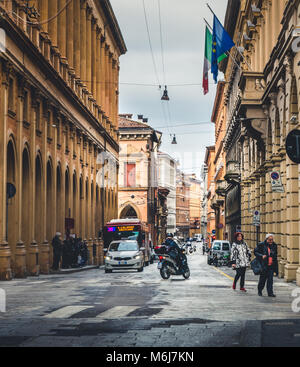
[{"x": 124, "y": 254}]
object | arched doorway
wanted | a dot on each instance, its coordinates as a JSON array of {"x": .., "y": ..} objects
[
  {"x": 11, "y": 208},
  {"x": 67, "y": 195},
  {"x": 128, "y": 212},
  {"x": 74, "y": 201},
  {"x": 38, "y": 200},
  {"x": 26, "y": 198},
  {"x": 49, "y": 204},
  {"x": 59, "y": 204}
]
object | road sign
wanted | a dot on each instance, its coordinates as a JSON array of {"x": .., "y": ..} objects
[
  {"x": 276, "y": 182},
  {"x": 293, "y": 146},
  {"x": 256, "y": 218},
  {"x": 213, "y": 231}
]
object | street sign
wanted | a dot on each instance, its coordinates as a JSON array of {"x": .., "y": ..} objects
[
  {"x": 293, "y": 146},
  {"x": 276, "y": 182},
  {"x": 213, "y": 231},
  {"x": 256, "y": 218}
]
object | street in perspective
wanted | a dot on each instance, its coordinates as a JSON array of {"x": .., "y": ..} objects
[{"x": 149, "y": 176}]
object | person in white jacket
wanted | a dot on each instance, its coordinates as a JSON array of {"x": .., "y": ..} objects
[{"x": 240, "y": 258}]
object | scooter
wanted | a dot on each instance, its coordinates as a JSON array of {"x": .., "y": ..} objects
[{"x": 168, "y": 266}]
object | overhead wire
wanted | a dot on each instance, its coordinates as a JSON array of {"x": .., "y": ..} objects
[{"x": 44, "y": 21}]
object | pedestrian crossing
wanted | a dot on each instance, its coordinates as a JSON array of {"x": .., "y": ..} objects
[{"x": 113, "y": 313}]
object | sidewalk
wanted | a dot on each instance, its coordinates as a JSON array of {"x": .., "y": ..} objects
[{"x": 76, "y": 270}]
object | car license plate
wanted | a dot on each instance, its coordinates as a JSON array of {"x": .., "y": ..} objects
[
  {"x": 159, "y": 266},
  {"x": 122, "y": 262}
]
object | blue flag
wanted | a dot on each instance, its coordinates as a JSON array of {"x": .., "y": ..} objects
[{"x": 222, "y": 43}]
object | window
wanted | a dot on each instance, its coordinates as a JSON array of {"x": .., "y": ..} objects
[{"x": 130, "y": 175}]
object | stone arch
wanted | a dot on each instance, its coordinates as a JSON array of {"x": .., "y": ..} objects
[
  {"x": 67, "y": 208},
  {"x": 129, "y": 211},
  {"x": 26, "y": 202},
  {"x": 49, "y": 200},
  {"x": 74, "y": 198},
  {"x": 81, "y": 199},
  {"x": 38, "y": 210},
  {"x": 59, "y": 203},
  {"x": 11, "y": 177}
]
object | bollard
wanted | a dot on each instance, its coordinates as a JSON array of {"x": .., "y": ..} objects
[
  {"x": 101, "y": 254},
  {"x": 20, "y": 261},
  {"x": 5, "y": 261},
  {"x": 45, "y": 258},
  {"x": 96, "y": 257},
  {"x": 90, "y": 248},
  {"x": 33, "y": 259}
]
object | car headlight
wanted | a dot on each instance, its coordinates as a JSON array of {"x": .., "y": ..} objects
[
  {"x": 137, "y": 257},
  {"x": 108, "y": 258}
]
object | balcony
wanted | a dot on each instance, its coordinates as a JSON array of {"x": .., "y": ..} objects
[
  {"x": 233, "y": 172},
  {"x": 221, "y": 188}
]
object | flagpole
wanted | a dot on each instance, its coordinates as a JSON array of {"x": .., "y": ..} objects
[
  {"x": 227, "y": 52},
  {"x": 235, "y": 44}
]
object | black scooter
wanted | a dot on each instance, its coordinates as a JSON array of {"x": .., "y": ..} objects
[{"x": 168, "y": 266}]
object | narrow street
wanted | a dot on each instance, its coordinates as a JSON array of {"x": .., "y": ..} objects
[{"x": 125, "y": 309}]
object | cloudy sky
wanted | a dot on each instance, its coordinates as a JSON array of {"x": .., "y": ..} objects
[{"x": 177, "y": 42}]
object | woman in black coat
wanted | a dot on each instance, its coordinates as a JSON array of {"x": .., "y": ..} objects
[{"x": 266, "y": 252}]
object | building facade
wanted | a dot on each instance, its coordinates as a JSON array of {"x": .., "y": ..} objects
[
  {"x": 58, "y": 127},
  {"x": 218, "y": 200},
  {"x": 196, "y": 195},
  {"x": 167, "y": 179},
  {"x": 209, "y": 162},
  {"x": 262, "y": 98},
  {"x": 139, "y": 193},
  {"x": 182, "y": 205}
]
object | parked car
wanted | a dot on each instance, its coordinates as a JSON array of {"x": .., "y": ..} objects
[
  {"x": 219, "y": 251},
  {"x": 124, "y": 254}
]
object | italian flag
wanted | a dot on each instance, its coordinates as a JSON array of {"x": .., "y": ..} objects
[{"x": 207, "y": 59}]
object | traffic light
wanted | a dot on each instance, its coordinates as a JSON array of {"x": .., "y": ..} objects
[{"x": 213, "y": 238}]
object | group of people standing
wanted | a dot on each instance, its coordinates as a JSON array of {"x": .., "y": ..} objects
[
  {"x": 266, "y": 253},
  {"x": 71, "y": 252}
]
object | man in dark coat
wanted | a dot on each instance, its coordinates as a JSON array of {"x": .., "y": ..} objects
[
  {"x": 57, "y": 250},
  {"x": 266, "y": 252}
]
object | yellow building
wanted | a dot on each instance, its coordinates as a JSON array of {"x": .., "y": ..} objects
[
  {"x": 262, "y": 108},
  {"x": 196, "y": 195},
  {"x": 218, "y": 201},
  {"x": 58, "y": 126}
]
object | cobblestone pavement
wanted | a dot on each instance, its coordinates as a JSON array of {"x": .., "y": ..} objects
[{"x": 140, "y": 309}]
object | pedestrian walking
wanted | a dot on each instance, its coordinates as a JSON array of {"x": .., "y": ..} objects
[
  {"x": 266, "y": 252},
  {"x": 57, "y": 250},
  {"x": 240, "y": 258}
]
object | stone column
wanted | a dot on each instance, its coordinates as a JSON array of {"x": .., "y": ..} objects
[
  {"x": 20, "y": 255},
  {"x": 94, "y": 59},
  {"x": 5, "y": 252},
  {"x": 89, "y": 49},
  {"x": 52, "y": 24},
  {"x": 83, "y": 45},
  {"x": 77, "y": 38}
]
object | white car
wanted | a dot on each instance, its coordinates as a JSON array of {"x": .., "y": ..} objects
[{"x": 124, "y": 254}]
